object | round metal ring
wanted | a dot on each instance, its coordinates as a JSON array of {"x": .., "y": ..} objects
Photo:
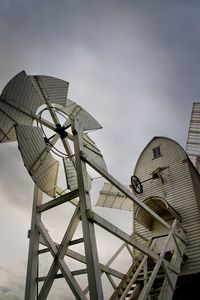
[{"x": 136, "y": 184}]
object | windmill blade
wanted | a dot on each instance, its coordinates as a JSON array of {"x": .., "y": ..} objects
[
  {"x": 90, "y": 148},
  {"x": 19, "y": 101},
  {"x": 23, "y": 95},
  {"x": 193, "y": 139},
  {"x": 70, "y": 173},
  {"x": 74, "y": 110},
  {"x": 21, "y": 98},
  {"x": 51, "y": 89},
  {"x": 20, "y": 92},
  {"x": 41, "y": 165},
  {"x": 111, "y": 197}
]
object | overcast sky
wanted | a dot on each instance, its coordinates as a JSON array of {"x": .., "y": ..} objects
[{"x": 134, "y": 65}]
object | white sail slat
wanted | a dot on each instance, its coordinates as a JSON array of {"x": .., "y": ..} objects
[
  {"x": 50, "y": 88},
  {"x": 40, "y": 164},
  {"x": 92, "y": 151},
  {"x": 71, "y": 175},
  {"x": 19, "y": 101},
  {"x": 193, "y": 139},
  {"x": 74, "y": 110},
  {"x": 21, "y": 92},
  {"x": 111, "y": 197}
]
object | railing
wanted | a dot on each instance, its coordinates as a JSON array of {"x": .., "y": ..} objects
[{"x": 140, "y": 271}]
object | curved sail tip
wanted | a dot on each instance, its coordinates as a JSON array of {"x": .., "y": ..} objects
[{"x": 73, "y": 110}]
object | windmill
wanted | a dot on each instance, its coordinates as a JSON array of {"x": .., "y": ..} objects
[
  {"x": 166, "y": 178},
  {"x": 35, "y": 110},
  {"x": 20, "y": 99}
]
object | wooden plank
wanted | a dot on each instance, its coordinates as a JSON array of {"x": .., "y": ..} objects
[
  {"x": 78, "y": 293},
  {"x": 91, "y": 253},
  {"x": 146, "y": 290},
  {"x": 32, "y": 266},
  {"x": 81, "y": 258},
  {"x": 57, "y": 201},
  {"x": 120, "y": 234},
  {"x": 60, "y": 253}
]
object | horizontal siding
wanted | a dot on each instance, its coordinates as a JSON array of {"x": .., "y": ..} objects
[{"x": 177, "y": 189}]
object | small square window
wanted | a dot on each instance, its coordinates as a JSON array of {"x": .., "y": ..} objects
[{"x": 156, "y": 152}]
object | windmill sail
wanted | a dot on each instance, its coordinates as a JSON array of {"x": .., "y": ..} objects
[
  {"x": 71, "y": 175},
  {"x": 19, "y": 101},
  {"x": 111, "y": 197},
  {"x": 21, "y": 98},
  {"x": 91, "y": 150},
  {"x": 51, "y": 89},
  {"x": 41, "y": 165},
  {"x": 193, "y": 139},
  {"x": 74, "y": 110}
]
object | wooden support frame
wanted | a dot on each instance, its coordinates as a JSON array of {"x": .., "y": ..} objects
[
  {"x": 83, "y": 213},
  {"x": 94, "y": 274},
  {"x": 31, "y": 289}
]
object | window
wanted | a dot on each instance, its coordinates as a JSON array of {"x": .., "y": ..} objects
[{"x": 156, "y": 152}]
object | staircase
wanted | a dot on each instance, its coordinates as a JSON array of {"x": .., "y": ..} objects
[{"x": 148, "y": 279}]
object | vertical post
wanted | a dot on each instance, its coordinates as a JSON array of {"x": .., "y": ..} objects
[
  {"x": 32, "y": 266},
  {"x": 134, "y": 225},
  {"x": 94, "y": 273}
]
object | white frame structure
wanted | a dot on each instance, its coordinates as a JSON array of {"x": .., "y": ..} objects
[
  {"x": 83, "y": 213},
  {"x": 19, "y": 102}
]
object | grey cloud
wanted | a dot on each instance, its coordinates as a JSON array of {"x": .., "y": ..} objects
[
  {"x": 15, "y": 183},
  {"x": 11, "y": 286}
]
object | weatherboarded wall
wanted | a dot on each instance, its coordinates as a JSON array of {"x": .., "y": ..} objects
[{"x": 179, "y": 185}]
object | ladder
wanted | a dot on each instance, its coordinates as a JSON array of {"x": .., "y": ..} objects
[{"x": 150, "y": 279}]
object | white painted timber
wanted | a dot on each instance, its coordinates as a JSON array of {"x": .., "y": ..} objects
[
  {"x": 21, "y": 98},
  {"x": 71, "y": 175},
  {"x": 40, "y": 164},
  {"x": 111, "y": 197},
  {"x": 19, "y": 101},
  {"x": 93, "y": 151},
  {"x": 51, "y": 89},
  {"x": 179, "y": 187},
  {"x": 74, "y": 110},
  {"x": 193, "y": 139}
]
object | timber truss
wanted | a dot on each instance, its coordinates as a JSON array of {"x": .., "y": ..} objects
[{"x": 151, "y": 275}]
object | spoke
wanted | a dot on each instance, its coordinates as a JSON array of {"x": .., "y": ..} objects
[
  {"x": 45, "y": 123},
  {"x": 67, "y": 124},
  {"x": 54, "y": 140},
  {"x": 60, "y": 130},
  {"x": 52, "y": 113}
]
